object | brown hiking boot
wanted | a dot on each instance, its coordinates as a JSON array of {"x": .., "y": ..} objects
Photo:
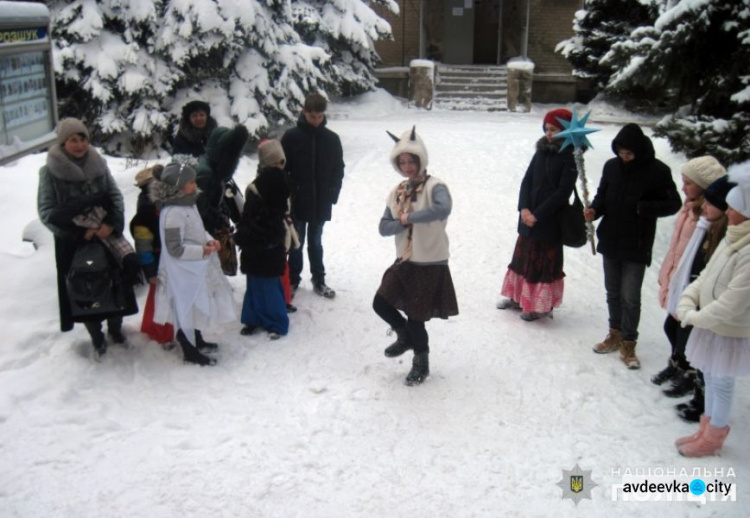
[
  {"x": 610, "y": 344},
  {"x": 627, "y": 355}
]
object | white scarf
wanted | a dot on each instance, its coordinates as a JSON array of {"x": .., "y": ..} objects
[{"x": 681, "y": 276}]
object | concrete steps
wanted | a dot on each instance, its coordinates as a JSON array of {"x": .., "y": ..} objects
[{"x": 471, "y": 87}]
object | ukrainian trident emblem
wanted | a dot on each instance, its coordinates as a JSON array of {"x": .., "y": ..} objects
[{"x": 576, "y": 484}]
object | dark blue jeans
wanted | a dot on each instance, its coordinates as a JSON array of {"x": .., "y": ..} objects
[
  {"x": 623, "y": 281},
  {"x": 314, "y": 233}
]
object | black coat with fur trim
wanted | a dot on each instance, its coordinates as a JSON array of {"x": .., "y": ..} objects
[
  {"x": 631, "y": 197},
  {"x": 190, "y": 140},
  {"x": 68, "y": 188},
  {"x": 545, "y": 189},
  {"x": 215, "y": 168},
  {"x": 315, "y": 164},
  {"x": 260, "y": 236}
]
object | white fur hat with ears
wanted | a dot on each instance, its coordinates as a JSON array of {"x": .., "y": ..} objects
[
  {"x": 739, "y": 197},
  {"x": 409, "y": 142}
]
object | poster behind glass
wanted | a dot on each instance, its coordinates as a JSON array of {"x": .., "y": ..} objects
[{"x": 25, "y": 96}]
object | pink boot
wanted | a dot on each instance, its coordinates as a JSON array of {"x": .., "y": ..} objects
[
  {"x": 708, "y": 444},
  {"x": 691, "y": 438}
]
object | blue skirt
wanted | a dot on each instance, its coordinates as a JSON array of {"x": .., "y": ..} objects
[{"x": 264, "y": 305}]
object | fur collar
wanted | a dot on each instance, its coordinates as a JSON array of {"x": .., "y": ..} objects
[
  {"x": 549, "y": 147},
  {"x": 163, "y": 194},
  {"x": 195, "y": 135},
  {"x": 61, "y": 166}
]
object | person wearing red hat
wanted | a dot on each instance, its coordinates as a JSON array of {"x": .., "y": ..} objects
[{"x": 534, "y": 279}]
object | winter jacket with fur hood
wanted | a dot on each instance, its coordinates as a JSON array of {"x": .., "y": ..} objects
[
  {"x": 545, "y": 188},
  {"x": 631, "y": 197},
  {"x": 315, "y": 164},
  {"x": 215, "y": 168}
]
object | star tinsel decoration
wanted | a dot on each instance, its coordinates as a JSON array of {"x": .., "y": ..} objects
[{"x": 575, "y": 131}]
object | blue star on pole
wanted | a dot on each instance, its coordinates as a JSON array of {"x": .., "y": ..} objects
[{"x": 575, "y": 131}]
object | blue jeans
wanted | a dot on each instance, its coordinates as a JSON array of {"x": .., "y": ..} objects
[
  {"x": 623, "y": 281},
  {"x": 314, "y": 231}
]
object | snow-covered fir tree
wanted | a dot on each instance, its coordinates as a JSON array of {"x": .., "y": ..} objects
[
  {"x": 346, "y": 30},
  {"x": 598, "y": 27},
  {"x": 127, "y": 66},
  {"x": 696, "y": 60}
]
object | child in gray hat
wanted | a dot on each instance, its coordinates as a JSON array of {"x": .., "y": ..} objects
[{"x": 191, "y": 290}]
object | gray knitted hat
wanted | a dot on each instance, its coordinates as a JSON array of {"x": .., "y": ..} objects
[
  {"x": 176, "y": 175},
  {"x": 271, "y": 153},
  {"x": 66, "y": 128}
]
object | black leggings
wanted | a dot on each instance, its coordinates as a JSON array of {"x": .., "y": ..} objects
[
  {"x": 678, "y": 338},
  {"x": 415, "y": 328}
]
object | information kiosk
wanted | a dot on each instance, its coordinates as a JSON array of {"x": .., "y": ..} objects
[{"x": 28, "y": 105}]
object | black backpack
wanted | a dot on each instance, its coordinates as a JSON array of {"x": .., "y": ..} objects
[{"x": 94, "y": 283}]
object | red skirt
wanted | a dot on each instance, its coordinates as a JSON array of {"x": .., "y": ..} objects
[{"x": 161, "y": 334}]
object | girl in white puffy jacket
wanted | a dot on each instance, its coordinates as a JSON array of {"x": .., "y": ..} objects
[{"x": 717, "y": 305}]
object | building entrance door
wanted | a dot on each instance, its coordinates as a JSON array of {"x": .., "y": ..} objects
[
  {"x": 486, "y": 27},
  {"x": 458, "y": 32}
]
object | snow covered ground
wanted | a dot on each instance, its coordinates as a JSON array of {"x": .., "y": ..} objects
[{"x": 320, "y": 424}]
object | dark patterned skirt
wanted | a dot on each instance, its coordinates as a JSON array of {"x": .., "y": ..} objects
[
  {"x": 536, "y": 261},
  {"x": 535, "y": 277},
  {"x": 421, "y": 291}
]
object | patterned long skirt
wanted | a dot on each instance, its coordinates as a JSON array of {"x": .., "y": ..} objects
[
  {"x": 421, "y": 291},
  {"x": 535, "y": 277}
]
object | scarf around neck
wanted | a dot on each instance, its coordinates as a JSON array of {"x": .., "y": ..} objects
[
  {"x": 183, "y": 200},
  {"x": 406, "y": 194},
  {"x": 681, "y": 276},
  {"x": 738, "y": 236}
]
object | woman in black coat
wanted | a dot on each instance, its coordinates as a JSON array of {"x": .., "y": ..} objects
[
  {"x": 262, "y": 237},
  {"x": 534, "y": 280},
  {"x": 196, "y": 125},
  {"x": 635, "y": 190},
  {"x": 74, "y": 180}
]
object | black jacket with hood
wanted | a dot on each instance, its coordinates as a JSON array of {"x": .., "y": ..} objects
[
  {"x": 631, "y": 197},
  {"x": 315, "y": 164}
]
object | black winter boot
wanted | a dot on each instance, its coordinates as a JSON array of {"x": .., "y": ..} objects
[
  {"x": 114, "y": 330},
  {"x": 191, "y": 353},
  {"x": 401, "y": 345},
  {"x": 203, "y": 346},
  {"x": 693, "y": 410},
  {"x": 666, "y": 374},
  {"x": 420, "y": 369},
  {"x": 683, "y": 386},
  {"x": 97, "y": 338}
]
